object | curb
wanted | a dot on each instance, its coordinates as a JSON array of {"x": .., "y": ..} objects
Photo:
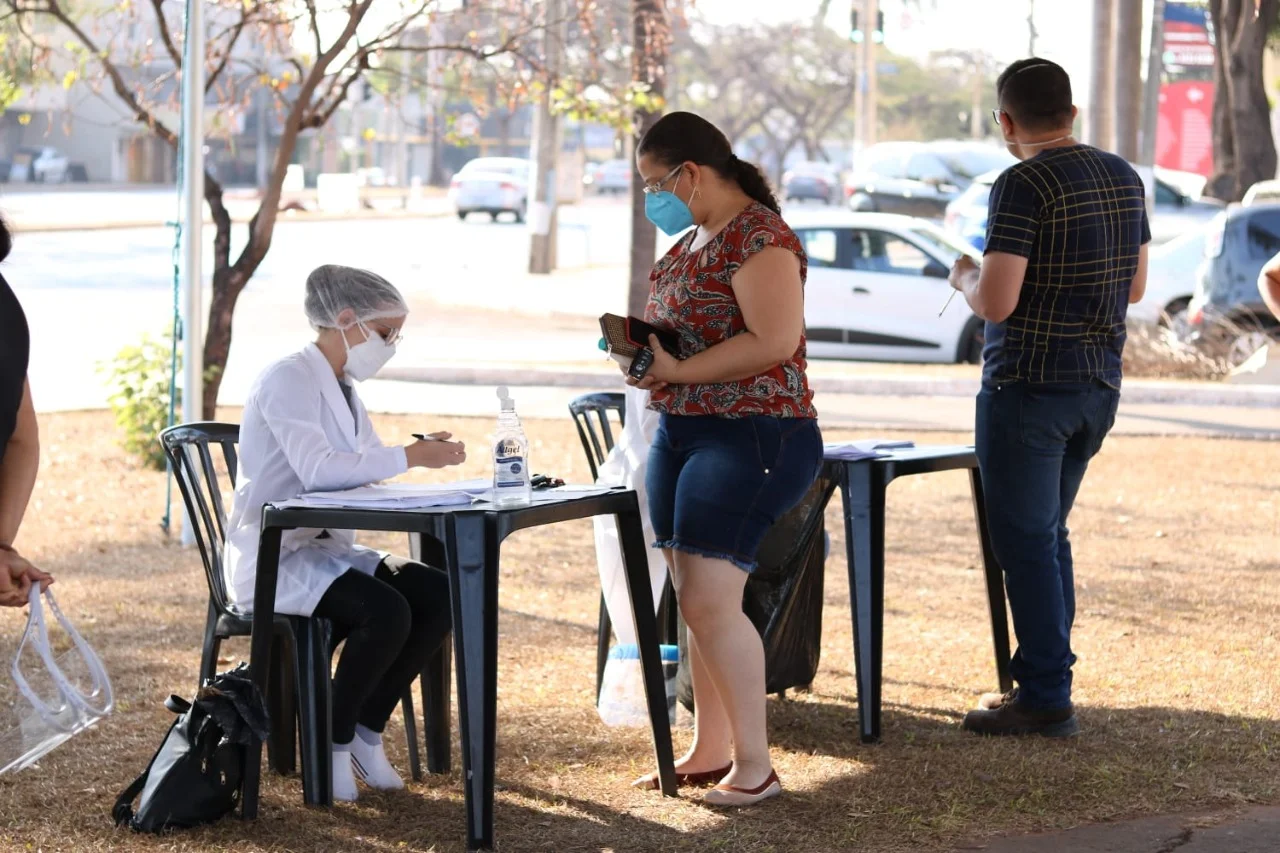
[
  {"x": 1135, "y": 391},
  {"x": 59, "y": 227}
]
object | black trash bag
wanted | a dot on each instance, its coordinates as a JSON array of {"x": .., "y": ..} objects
[
  {"x": 195, "y": 775},
  {"x": 783, "y": 597}
]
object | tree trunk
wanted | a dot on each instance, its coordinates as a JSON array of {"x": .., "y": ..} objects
[
  {"x": 1102, "y": 92},
  {"x": 1244, "y": 150},
  {"x": 217, "y": 336},
  {"x": 1128, "y": 78},
  {"x": 1223, "y": 182},
  {"x": 651, "y": 34},
  {"x": 1255, "y": 147}
]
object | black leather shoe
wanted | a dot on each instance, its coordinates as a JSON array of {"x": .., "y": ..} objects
[{"x": 1014, "y": 718}]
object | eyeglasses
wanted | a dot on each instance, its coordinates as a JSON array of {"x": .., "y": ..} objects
[
  {"x": 995, "y": 115},
  {"x": 656, "y": 186},
  {"x": 389, "y": 335}
]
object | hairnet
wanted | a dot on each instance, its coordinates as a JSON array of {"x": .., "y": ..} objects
[{"x": 331, "y": 289}]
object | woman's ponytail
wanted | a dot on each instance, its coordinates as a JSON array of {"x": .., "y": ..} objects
[{"x": 753, "y": 182}]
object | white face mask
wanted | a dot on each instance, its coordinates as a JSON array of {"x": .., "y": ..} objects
[{"x": 367, "y": 357}]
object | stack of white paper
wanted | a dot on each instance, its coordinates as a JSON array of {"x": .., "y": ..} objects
[
  {"x": 870, "y": 448},
  {"x": 567, "y": 493},
  {"x": 397, "y": 496}
]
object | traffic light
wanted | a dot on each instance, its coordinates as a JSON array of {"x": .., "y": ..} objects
[{"x": 857, "y": 36}]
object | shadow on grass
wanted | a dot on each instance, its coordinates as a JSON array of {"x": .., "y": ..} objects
[{"x": 926, "y": 786}]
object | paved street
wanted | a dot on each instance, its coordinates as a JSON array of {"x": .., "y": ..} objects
[
  {"x": 90, "y": 293},
  {"x": 475, "y": 308}
]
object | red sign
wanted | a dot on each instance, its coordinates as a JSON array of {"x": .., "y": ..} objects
[{"x": 1184, "y": 138}]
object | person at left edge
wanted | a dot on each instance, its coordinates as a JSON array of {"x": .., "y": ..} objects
[
  {"x": 304, "y": 429},
  {"x": 19, "y": 443}
]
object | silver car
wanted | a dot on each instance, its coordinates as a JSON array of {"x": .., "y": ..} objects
[{"x": 492, "y": 185}]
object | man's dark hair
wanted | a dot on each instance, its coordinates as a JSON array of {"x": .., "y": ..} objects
[
  {"x": 1036, "y": 94},
  {"x": 6, "y": 240}
]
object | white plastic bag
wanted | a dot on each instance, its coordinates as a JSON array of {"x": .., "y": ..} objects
[
  {"x": 622, "y": 692},
  {"x": 59, "y": 697},
  {"x": 625, "y": 466}
]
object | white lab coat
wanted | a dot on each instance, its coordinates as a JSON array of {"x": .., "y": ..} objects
[{"x": 299, "y": 435}]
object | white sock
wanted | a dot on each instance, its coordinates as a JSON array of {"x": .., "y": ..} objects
[
  {"x": 369, "y": 761},
  {"x": 369, "y": 736},
  {"x": 344, "y": 777}
]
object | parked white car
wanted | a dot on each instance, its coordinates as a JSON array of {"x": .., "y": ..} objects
[
  {"x": 877, "y": 283},
  {"x": 40, "y": 165},
  {"x": 1172, "y": 270},
  {"x": 492, "y": 185}
]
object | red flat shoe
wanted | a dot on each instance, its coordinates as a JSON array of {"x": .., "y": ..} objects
[
  {"x": 733, "y": 796},
  {"x": 649, "y": 782}
]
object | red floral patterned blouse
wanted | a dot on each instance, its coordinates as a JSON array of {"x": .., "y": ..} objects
[{"x": 691, "y": 293}]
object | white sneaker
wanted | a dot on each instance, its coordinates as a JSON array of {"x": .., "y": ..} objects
[
  {"x": 369, "y": 761},
  {"x": 344, "y": 777}
]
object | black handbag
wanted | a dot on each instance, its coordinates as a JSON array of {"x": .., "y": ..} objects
[{"x": 194, "y": 778}]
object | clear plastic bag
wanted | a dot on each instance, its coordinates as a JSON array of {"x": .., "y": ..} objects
[
  {"x": 58, "y": 688},
  {"x": 622, "y": 691}
]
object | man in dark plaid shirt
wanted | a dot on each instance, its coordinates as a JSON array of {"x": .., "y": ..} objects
[{"x": 1066, "y": 253}]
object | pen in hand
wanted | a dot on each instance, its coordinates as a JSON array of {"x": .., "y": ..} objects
[{"x": 948, "y": 303}]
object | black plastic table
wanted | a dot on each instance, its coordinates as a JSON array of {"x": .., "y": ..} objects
[
  {"x": 863, "y": 484},
  {"x": 472, "y": 536}
]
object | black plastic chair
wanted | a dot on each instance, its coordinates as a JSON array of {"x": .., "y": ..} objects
[
  {"x": 592, "y": 416},
  {"x": 299, "y": 692}
]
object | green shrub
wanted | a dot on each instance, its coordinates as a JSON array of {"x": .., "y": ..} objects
[{"x": 138, "y": 377}]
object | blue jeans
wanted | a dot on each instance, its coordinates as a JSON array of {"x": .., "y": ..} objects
[
  {"x": 716, "y": 485},
  {"x": 1034, "y": 445}
]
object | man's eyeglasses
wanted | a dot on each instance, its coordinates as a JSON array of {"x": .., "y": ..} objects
[
  {"x": 995, "y": 115},
  {"x": 656, "y": 186}
]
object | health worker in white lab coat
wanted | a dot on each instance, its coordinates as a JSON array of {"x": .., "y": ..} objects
[{"x": 304, "y": 429}]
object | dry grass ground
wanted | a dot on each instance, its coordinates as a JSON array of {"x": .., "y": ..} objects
[{"x": 1179, "y": 674}]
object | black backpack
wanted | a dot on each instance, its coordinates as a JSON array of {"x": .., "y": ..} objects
[{"x": 195, "y": 775}]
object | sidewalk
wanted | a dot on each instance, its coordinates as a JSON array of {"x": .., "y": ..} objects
[
  {"x": 88, "y": 207},
  {"x": 832, "y": 377},
  {"x": 861, "y": 412},
  {"x": 1255, "y": 830}
]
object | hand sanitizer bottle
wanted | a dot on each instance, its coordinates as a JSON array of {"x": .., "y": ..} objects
[{"x": 511, "y": 484}]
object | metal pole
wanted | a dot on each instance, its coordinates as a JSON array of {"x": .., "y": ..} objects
[
  {"x": 1128, "y": 77},
  {"x": 546, "y": 143},
  {"x": 873, "y": 10},
  {"x": 193, "y": 77},
  {"x": 1032, "y": 32},
  {"x": 1151, "y": 95},
  {"x": 1102, "y": 90}
]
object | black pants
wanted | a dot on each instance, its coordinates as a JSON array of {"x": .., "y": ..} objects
[{"x": 392, "y": 622}]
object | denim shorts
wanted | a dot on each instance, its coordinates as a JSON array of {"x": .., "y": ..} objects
[{"x": 716, "y": 485}]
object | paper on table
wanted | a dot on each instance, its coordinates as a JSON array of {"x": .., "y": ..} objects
[
  {"x": 397, "y": 496},
  {"x": 565, "y": 493},
  {"x": 871, "y": 448}
]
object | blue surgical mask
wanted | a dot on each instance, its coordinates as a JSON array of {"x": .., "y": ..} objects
[{"x": 667, "y": 211}]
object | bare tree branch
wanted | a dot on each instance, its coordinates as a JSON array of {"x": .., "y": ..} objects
[
  {"x": 54, "y": 9},
  {"x": 165, "y": 36}
]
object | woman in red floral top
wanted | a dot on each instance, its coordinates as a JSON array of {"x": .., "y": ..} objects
[{"x": 738, "y": 444}]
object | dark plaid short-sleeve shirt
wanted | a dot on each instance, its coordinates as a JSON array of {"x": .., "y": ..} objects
[{"x": 1078, "y": 215}]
